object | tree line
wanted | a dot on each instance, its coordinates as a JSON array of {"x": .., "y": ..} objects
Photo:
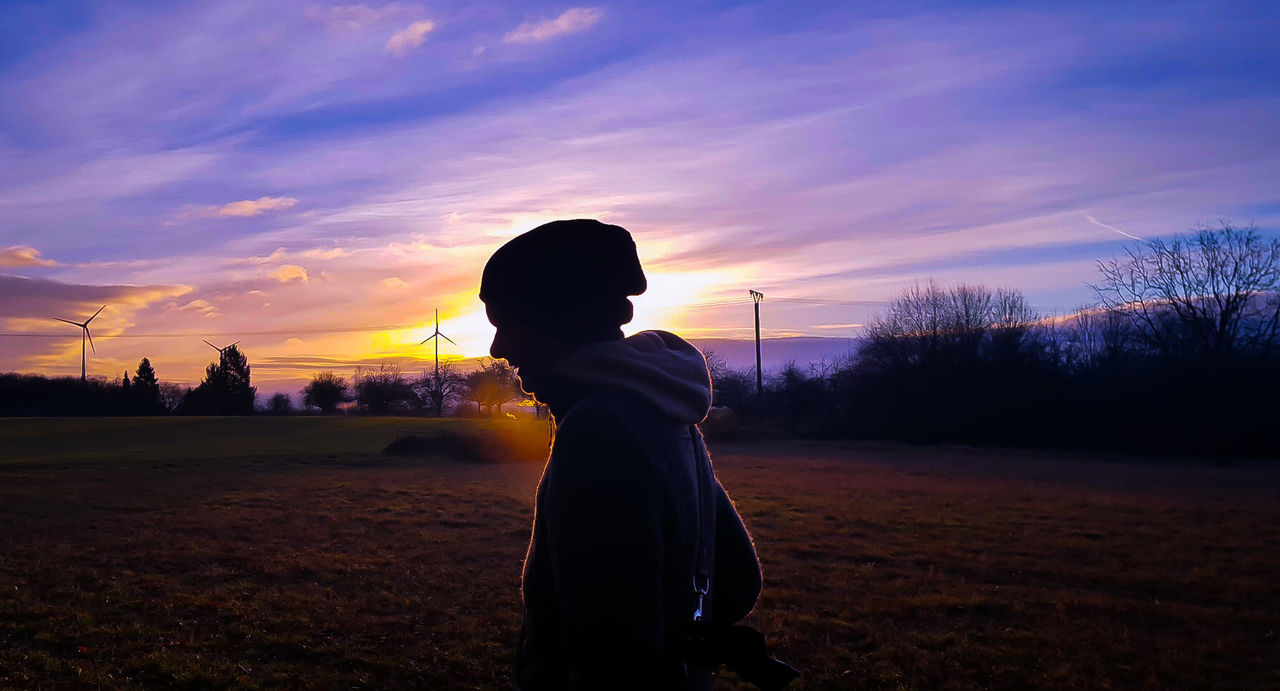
[
  {"x": 388, "y": 391},
  {"x": 1179, "y": 354},
  {"x": 227, "y": 389}
]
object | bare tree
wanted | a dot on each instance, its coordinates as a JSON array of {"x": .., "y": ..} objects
[
  {"x": 381, "y": 391},
  {"x": 931, "y": 324},
  {"x": 171, "y": 395},
  {"x": 1093, "y": 337},
  {"x": 435, "y": 390},
  {"x": 492, "y": 385},
  {"x": 1212, "y": 293},
  {"x": 731, "y": 387}
]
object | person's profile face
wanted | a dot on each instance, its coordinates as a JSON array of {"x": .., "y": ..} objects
[{"x": 531, "y": 351}]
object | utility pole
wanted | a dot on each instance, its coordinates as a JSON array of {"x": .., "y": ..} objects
[{"x": 756, "y": 297}]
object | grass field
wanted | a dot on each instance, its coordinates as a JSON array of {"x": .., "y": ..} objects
[
  {"x": 129, "y": 440},
  {"x": 287, "y": 552}
]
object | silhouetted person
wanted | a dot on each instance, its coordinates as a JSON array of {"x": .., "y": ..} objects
[{"x": 608, "y": 577}]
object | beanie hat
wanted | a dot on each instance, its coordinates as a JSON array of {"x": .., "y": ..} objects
[{"x": 569, "y": 277}]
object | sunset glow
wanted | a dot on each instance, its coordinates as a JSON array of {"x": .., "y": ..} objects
[{"x": 314, "y": 180}]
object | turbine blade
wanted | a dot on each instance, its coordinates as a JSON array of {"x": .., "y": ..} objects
[
  {"x": 448, "y": 339},
  {"x": 95, "y": 314},
  {"x": 231, "y": 346},
  {"x": 212, "y": 346},
  {"x": 86, "y": 332},
  {"x": 70, "y": 322},
  {"x": 428, "y": 338}
]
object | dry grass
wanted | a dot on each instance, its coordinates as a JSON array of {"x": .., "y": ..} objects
[{"x": 886, "y": 567}]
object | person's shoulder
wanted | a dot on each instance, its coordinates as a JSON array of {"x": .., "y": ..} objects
[
  {"x": 613, "y": 425},
  {"x": 609, "y": 414}
]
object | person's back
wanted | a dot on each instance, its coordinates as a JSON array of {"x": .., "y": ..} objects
[{"x": 608, "y": 581}]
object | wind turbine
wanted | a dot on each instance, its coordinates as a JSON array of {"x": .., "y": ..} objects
[
  {"x": 220, "y": 350},
  {"x": 437, "y": 336},
  {"x": 84, "y": 333}
]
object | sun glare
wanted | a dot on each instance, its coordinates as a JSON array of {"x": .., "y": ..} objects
[{"x": 672, "y": 299}]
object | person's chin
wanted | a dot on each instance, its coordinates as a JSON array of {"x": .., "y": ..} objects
[{"x": 528, "y": 382}]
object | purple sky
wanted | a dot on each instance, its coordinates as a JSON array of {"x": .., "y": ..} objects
[{"x": 277, "y": 172}]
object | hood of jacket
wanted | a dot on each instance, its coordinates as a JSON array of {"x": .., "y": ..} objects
[{"x": 658, "y": 366}]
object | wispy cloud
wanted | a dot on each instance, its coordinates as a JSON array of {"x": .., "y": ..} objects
[
  {"x": 410, "y": 37},
  {"x": 255, "y": 207},
  {"x": 570, "y": 21},
  {"x": 19, "y": 256},
  {"x": 354, "y": 17},
  {"x": 325, "y": 253},
  {"x": 199, "y": 306}
]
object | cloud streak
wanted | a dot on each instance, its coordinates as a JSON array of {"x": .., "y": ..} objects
[
  {"x": 1113, "y": 229},
  {"x": 256, "y": 207},
  {"x": 571, "y": 21}
]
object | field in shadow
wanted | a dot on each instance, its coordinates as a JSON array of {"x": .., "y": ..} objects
[{"x": 886, "y": 567}]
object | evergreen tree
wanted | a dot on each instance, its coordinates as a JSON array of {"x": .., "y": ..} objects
[
  {"x": 124, "y": 382},
  {"x": 241, "y": 395},
  {"x": 146, "y": 388},
  {"x": 226, "y": 389}
]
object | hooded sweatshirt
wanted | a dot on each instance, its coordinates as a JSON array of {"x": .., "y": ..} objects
[{"x": 609, "y": 571}]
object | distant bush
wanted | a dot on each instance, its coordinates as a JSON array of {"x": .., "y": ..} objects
[
  {"x": 383, "y": 391},
  {"x": 326, "y": 391},
  {"x": 279, "y": 404},
  {"x": 499, "y": 442}
]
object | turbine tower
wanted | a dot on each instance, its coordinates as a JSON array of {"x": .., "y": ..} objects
[
  {"x": 84, "y": 333},
  {"x": 437, "y": 336}
]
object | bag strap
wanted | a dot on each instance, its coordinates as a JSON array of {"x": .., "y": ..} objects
[{"x": 706, "y": 526}]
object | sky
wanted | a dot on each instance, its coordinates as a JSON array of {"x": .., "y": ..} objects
[{"x": 313, "y": 180}]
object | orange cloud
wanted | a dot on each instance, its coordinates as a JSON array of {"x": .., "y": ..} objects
[
  {"x": 289, "y": 272},
  {"x": 22, "y": 255}
]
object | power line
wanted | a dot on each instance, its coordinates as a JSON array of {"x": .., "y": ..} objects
[{"x": 796, "y": 300}]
